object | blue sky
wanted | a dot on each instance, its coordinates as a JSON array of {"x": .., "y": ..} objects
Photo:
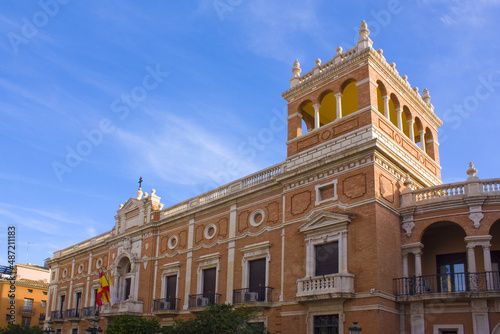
[{"x": 177, "y": 92}]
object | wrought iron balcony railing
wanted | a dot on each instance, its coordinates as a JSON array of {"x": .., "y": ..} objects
[
  {"x": 166, "y": 304},
  {"x": 73, "y": 313},
  {"x": 57, "y": 315},
  {"x": 203, "y": 299},
  {"x": 27, "y": 310},
  {"x": 251, "y": 295},
  {"x": 447, "y": 283},
  {"x": 92, "y": 311}
]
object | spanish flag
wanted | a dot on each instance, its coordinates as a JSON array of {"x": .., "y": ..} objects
[{"x": 103, "y": 290}]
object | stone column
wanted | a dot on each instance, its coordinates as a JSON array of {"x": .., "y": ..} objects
[
  {"x": 471, "y": 259},
  {"x": 418, "y": 262},
  {"x": 316, "y": 115},
  {"x": 405, "y": 265},
  {"x": 490, "y": 284},
  {"x": 338, "y": 96},
  {"x": 386, "y": 107},
  {"x": 422, "y": 140},
  {"x": 411, "y": 132},
  {"x": 399, "y": 111}
]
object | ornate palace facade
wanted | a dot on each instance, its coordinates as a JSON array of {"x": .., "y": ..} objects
[{"x": 354, "y": 226}]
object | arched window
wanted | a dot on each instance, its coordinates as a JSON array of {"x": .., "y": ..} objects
[{"x": 349, "y": 97}]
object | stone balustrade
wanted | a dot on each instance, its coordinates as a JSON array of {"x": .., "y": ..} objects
[
  {"x": 470, "y": 188},
  {"x": 325, "y": 285}
]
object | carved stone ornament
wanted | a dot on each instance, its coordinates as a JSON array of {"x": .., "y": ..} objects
[
  {"x": 408, "y": 224},
  {"x": 127, "y": 245},
  {"x": 476, "y": 215},
  {"x": 408, "y": 227}
]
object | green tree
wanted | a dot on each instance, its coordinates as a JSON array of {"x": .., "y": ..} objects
[
  {"x": 129, "y": 324},
  {"x": 218, "y": 319},
  {"x": 21, "y": 329}
]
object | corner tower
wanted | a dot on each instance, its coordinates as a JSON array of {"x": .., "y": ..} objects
[{"x": 357, "y": 101}]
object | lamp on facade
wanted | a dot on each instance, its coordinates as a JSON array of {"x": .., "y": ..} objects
[
  {"x": 354, "y": 329},
  {"x": 49, "y": 329},
  {"x": 94, "y": 329}
]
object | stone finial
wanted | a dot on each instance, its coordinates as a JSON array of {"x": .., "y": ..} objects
[
  {"x": 426, "y": 97},
  {"x": 121, "y": 206},
  {"x": 139, "y": 193},
  {"x": 393, "y": 65},
  {"x": 380, "y": 52},
  {"x": 339, "y": 50},
  {"x": 471, "y": 171},
  {"x": 317, "y": 62},
  {"x": 153, "y": 191},
  {"x": 145, "y": 194},
  {"x": 364, "y": 41},
  {"x": 415, "y": 89},
  {"x": 296, "y": 68},
  {"x": 363, "y": 30},
  {"x": 405, "y": 77}
]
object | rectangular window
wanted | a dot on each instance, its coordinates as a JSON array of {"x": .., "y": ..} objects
[
  {"x": 25, "y": 321},
  {"x": 448, "y": 332},
  {"x": 28, "y": 303},
  {"x": 78, "y": 300},
  {"x": 30, "y": 290},
  {"x": 44, "y": 303},
  {"x": 74, "y": 331},
  {"x": 326, "y": 324},
  {"x": 256, "y": 281},
  {"x": 327, "y": 258},
  {"x": 171, "y": 287},
  {"x": 128, "y": 283},
  {"x": 62, "y": 299},
  {"x": 95, "y": 297},
  {"x": 58, "y": 331},
  {"x": 209, "y": 276},
  {"x": 451, "y": 269},
  {"x": 7, "y": 317},
  {"x": 44, "y": 293}
]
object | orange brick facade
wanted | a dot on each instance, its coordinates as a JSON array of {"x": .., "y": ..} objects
[{"x": 349, "y": 228}]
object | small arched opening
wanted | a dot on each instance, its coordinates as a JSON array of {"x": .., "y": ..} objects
[
  {"x": 393, "y": 105},
  {"x": 349, "y": 97},
  {"x": 328, "y": 109},
  {"x": 429, "y": 143},
  {"x": 381, "y": 93}
]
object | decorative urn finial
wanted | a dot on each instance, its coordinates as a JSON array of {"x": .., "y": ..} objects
[
  {"x": 317, "y": 62},
  {"x": 339, "y": 50},
  {"x": 139, "y": 193},
  {"x": 363, "y": 30},
  {"x": 471, "y": 171},
  {"x": 296, "y": 68}
]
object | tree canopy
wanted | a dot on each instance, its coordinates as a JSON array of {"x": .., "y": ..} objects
[
  {"x": 218, "y": 319},
  {"x": 129, "y": 324},
  {"x": 21, "y": 329}
]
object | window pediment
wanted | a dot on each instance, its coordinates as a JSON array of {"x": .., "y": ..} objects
[{"x": 324, "y": 222}]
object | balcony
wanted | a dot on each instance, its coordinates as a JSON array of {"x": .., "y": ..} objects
[
  {"x": 256, "y": 296},
  {"x": 41, "y": 319},
  {"x": 125, "y": 307},
  {"x": 325, "y": 287},
  {"x": 57, "y": 315},
  {"x": 27, "y": 310},
  {"x": 166, "y": 306},
  {"x": 73, "y": 314},
  {"x": 92, "y": 311},
  {"x": 203, "y": 300},
  {"x": 448, "y": 285}
]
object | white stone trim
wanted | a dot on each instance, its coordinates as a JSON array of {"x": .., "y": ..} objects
[
  {"x": 254, "y": 252},
  {"x": 318, "y": 188},
  {"x": 205, "y": 232},
  {"x": 255, "y": 213},
  {"x": 170, "y": 269},
  {"x": 207, "y": 262},
  {"x": 173, "y": 241},
  {"x": 437, "y": 329}
]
